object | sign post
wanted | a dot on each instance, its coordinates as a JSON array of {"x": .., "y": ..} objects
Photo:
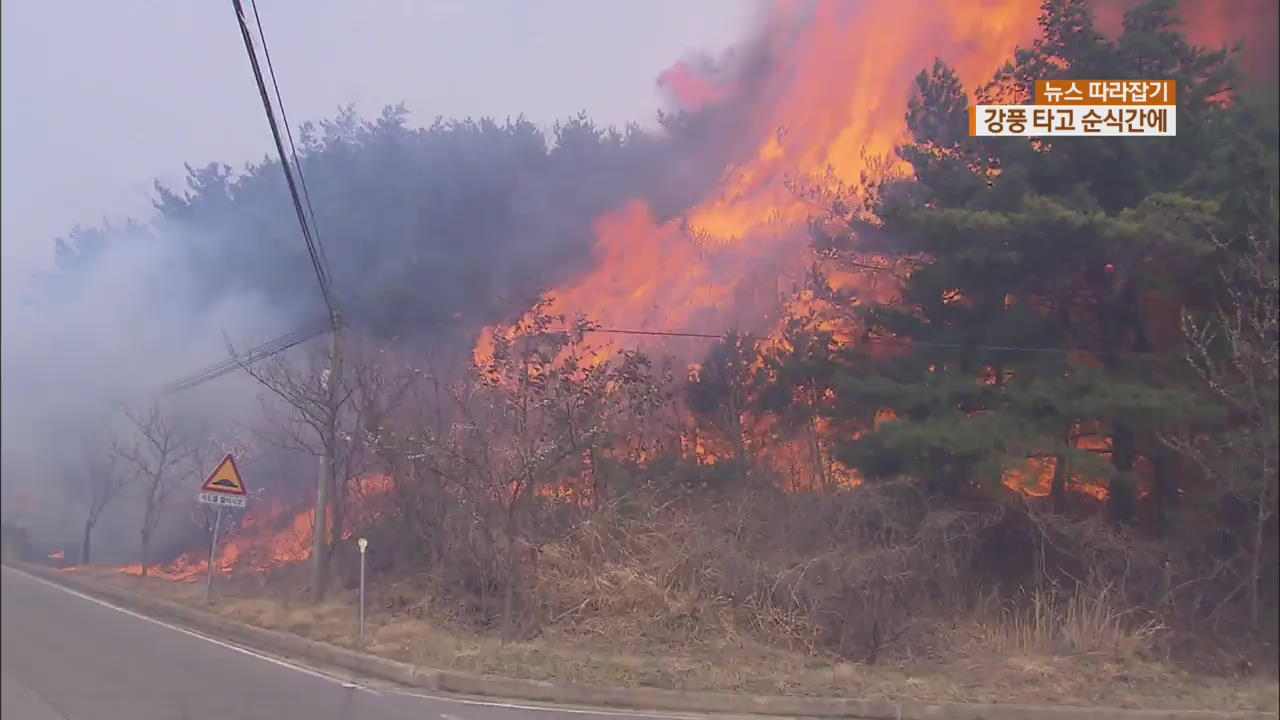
[
  {"x": 213, "y": 555},
  {"x": 223, "y": 488},
  {"x": 362, "y": 543}
]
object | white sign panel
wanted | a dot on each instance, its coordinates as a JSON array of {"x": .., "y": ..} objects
[{"x": 220, "y": 499}]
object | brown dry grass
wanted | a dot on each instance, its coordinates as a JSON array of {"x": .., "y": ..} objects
[{"x": 1069, "y": 650}]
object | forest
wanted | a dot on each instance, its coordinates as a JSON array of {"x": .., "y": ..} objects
[{"x": 1028, "y": 382}]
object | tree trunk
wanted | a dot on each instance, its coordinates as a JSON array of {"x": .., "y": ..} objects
[
  {"x": 508, "y": 593},
  {"x": 146, "y": 550},
  {"x": 815, "y": 447},
  {"x": 735, "y": 432},
  {"x": 1164, "y": 491},
  {"x": 84, "y": 542},
  {"x": 1121, "y": 496},
  {"x": 1058, "y": 489},
  {"x": 513, "y": 555},
  {"x": 1255, "y": 566},
  {"x": 597, "y": 488}
]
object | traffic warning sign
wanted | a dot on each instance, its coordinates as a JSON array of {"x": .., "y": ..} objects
[{"x": 225, "y": 479}]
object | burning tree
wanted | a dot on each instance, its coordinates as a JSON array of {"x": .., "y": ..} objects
[
  {"x": 795, "y": 380},
  {"x": 553, "y": 400},
  {"x": 1041, "y": 277},
  {"x": 162, "y": 457},
  {"x": 719, "y": 389},
  {"x": 471, "y": 460}
]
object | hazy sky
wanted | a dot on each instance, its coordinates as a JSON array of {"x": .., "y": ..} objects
[{"x": 101, "y": 98}]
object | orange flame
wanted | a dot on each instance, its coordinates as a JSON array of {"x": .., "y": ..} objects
[
  {"x": 272, "y": 534},
  {"x": 830, "y": 106},
  {"x": 831, "y": 102}
]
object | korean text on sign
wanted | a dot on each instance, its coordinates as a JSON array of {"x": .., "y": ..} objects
[
  {"x": 1106, "y": 92},
  {"x": 1072, "y": 120}
]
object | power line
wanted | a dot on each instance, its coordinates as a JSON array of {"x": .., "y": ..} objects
[
  {"x": 873, "y": 340},
  {"x": 293, "y": 150},
  {"x": 255, "y": 354},
  {"x": 312, "y": 251}
]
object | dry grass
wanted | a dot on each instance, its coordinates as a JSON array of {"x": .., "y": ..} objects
[
  {"x": 875, "y": 593},
  {"x": 1070, "y": 650},
  {"x": 1076, "y": 622}
]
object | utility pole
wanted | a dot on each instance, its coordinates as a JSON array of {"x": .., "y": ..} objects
[
  {"x": 328, "y": 467},
  {"x": 328, "y": 457}
]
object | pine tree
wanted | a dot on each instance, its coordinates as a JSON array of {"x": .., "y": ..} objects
[{"x": 1044, "y": 273}]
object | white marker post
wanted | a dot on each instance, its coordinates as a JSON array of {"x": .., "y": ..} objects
[{"x": 362, "y": 544}]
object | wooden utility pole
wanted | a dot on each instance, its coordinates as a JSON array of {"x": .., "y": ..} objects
[{"x": 328, "y": 468}]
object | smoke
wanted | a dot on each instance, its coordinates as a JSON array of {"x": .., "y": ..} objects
[
  {"x": 430, "y": 233},
  {"x": 435, "y": 232},
  {"x": 101, "y": 339},
  {"x": 1216, "y": 24}
]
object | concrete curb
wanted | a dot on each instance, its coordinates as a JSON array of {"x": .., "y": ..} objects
[{"x": 296, "y": 646}]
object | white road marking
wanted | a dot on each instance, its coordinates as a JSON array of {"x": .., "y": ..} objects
[
  {"x": 349, "y": 684},
  {"x": 192, "y": 633}
]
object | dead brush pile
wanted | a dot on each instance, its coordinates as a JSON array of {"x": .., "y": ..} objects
[{"x": 843, "y": 575}]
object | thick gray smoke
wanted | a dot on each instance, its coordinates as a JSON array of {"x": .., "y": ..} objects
[
  {"x": 430, "y": 232},
  {"x": 95, "y": 344}
]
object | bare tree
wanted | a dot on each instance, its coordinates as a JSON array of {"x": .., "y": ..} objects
[
  {"x": 550, "y": 399},
  {"x": 334, "y": 410},
  {"x": 314, "y": 397},
  {"x": 162, "y": 457},
  {"x": 379, "y": 386},
  {"x": 1234, "y": 351},
  {"x": 105, "y": 482}
]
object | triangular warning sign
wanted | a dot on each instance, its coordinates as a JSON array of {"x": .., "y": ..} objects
[{"x": 225, "y": 478}]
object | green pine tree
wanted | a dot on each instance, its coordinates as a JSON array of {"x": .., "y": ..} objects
[{"x": 1044, "y": 272}]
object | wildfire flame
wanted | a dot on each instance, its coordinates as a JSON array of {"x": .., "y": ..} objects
[
  {"x": 273, "y": 533},
  {"x": 829, "y": 103},
  {"x": 827, "y": 106}
]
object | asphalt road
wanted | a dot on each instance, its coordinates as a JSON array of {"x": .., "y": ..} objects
[{"x": 70, "y": 657}]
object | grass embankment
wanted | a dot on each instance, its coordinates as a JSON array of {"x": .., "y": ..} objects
[{"x": 1083, "y": 657}]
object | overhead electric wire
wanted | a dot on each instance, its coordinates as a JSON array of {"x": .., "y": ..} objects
[
  {"x": 260, "y": 352},
  {"x": 312, "y": 251},
  {"x": 310, "y": 233},
  {"x": 873, "y": 340},
  {"x": 288, "y": 132}
]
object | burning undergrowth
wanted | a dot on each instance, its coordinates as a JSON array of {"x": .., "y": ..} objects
[
  {"x": 273, "y": 534},
  {"x": 729, "y": 419}
]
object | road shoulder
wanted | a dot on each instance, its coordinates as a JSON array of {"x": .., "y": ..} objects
[{"x": 306, "y": 653}]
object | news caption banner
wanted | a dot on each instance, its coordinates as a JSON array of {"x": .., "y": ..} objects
[
  {"x": 224, "y": 487},
  {"x": 1084, "y": 108}
]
